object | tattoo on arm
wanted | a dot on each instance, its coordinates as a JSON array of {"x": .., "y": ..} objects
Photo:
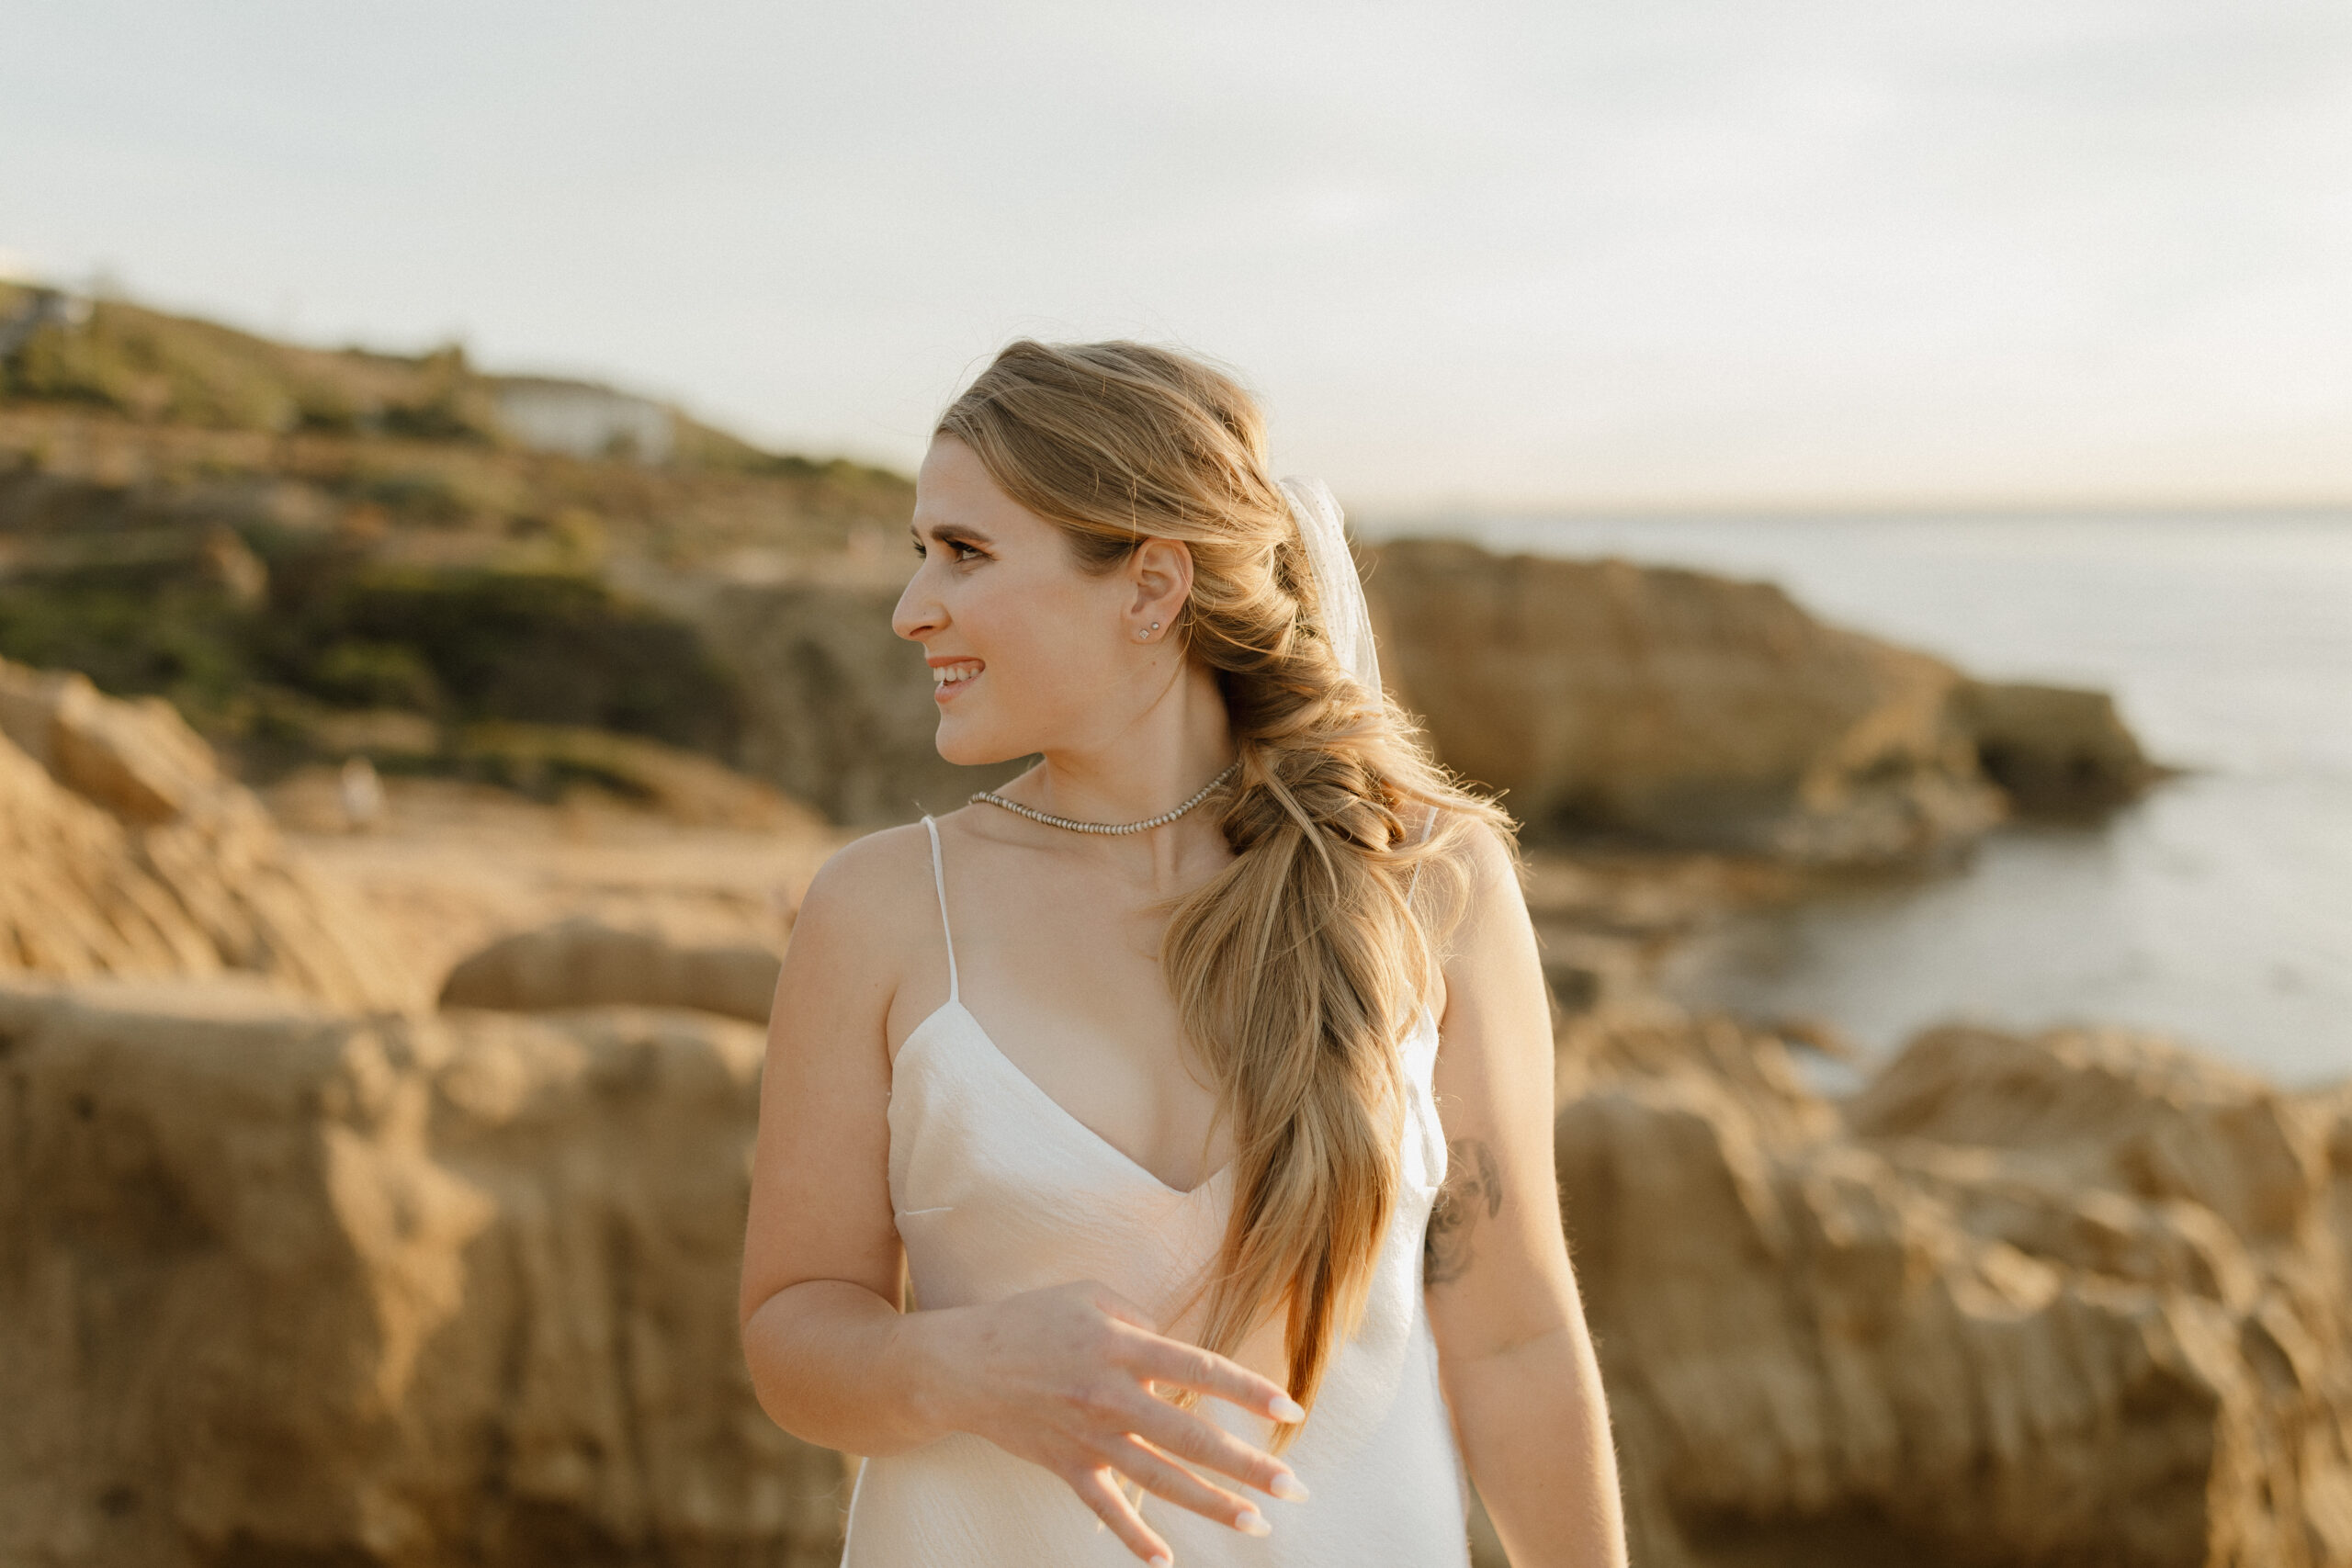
[{"x": 1472, "y": 1190}]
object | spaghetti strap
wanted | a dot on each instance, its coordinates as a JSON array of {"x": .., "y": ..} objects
[{"x": 939, "y": 880}]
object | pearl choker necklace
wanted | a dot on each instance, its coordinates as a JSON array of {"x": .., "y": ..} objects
[{"x": 1050, "y": 820}]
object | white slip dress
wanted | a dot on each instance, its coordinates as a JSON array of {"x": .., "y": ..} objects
[{"x": 997, "y": 1189}]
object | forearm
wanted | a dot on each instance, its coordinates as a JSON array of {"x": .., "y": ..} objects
[
  {"x": 834, "y": 1364},
  {"x": 1535, "y": 1430}
]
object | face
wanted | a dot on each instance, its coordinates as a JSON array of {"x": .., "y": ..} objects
[{"x": 1028, "y": 652}]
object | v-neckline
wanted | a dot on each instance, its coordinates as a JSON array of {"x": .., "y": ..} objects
[{"x": 1059, "y": 1111}]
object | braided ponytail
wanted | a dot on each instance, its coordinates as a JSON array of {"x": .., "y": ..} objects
[{"x": 1298, "y": 967}]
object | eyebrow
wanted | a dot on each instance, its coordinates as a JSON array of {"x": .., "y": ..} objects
[{"x": 951, "y": 530}]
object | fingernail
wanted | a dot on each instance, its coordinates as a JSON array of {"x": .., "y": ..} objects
[
  {"x": 1288, "y": 1488},
  {"x": 1160, "y": 1560},
  {"x": 1288, "y": 1409},
  {"x": 1252, "y": 1522}
]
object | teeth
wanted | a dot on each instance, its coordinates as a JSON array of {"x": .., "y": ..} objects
[{"x": 947, "y": 674}]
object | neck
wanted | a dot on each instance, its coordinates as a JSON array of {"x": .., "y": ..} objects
[{"x": 1155, "y": 762}]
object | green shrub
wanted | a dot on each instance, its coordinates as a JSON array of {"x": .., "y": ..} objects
[
  {"x": 447, "y": 402},
  {"x": 184, "y": 640},
  {"x": 455, "y": 490},
  {"x": 540, "y": 647},
  {"x": 353, "y": 673},
  {"x": 421, "y": 493}
]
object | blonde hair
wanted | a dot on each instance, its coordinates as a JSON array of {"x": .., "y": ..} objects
[{"x": 1296, "y": 968}]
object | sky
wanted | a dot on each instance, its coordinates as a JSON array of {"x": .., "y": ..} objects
[{"x": 1479, "y": 255}]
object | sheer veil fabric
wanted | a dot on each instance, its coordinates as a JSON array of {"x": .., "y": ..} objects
[{"x": 1344, "y": 618}]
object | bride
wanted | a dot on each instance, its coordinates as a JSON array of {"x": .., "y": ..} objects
[{"x": 1155, "y": 1157}]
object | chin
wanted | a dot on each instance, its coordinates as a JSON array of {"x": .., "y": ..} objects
[{"x": 977, "y": 746}]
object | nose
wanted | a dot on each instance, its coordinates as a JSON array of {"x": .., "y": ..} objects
[{"x": 919, "y": 613}]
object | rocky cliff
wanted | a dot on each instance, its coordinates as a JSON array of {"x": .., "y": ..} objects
[
  {"x": 283, "y": 1285},
  {"x": 1682, "y": 708},
  {"x": 125, "y": 851},
  {"x": 586, "y": 962},
  {"x": 279, "y": 1285},
  {"x": 837, "y": 707},
  {"x": 2074, "y": 1299}
]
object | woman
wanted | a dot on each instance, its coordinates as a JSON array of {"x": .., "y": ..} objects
[{"x": 1135, "y": 1067}]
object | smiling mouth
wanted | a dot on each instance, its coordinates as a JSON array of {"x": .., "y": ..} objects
[{"x": 950, "y": 678}]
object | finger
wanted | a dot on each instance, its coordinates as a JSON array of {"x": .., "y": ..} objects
[
  {"x": 1197, "y": 1441},
  {"x": 1096, "y": 1489},
  {"x": 1114, "y": 1304},
  {"x": 1162, "y": 1359},
  {"x": 1162, "y": 1477}
]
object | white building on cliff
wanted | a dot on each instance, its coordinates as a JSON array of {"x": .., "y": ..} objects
[{"x": 584, "y": 419}]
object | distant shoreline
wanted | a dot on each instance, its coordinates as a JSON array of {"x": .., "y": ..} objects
[{"x": 1374, "y": 522}]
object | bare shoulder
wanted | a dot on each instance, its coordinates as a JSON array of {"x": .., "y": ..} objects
[
  {"x": 1492, "y": 863},
  {"x": 1483, "y": 883},
  {"x": 854, "y": 931},
  {"x": 1489, "y": 954},
  {"x": 869, "y": 882}
]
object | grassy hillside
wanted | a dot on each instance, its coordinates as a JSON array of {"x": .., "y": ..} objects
[
  {"x": 152, "y": 366},
  {"x": 274, "y": 534}
]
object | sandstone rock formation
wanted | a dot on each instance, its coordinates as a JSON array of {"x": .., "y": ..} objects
[
  {"x": 2054, "y": 751},
  {"x": 838, "y": 709},
  {"x": 1681, "y": 709},
  {"x": 587, "y": 962},
  {"x": 453, "y": 866},
  {"x": 282, "y": 1286},
  {"x": 279, "y": 1284},
  {"x": 681, "y": 786},
  {"x": 124, "y": 851},
  {"x": 1675, "y": 706},
  {"x": 2075, "y": 1299}
]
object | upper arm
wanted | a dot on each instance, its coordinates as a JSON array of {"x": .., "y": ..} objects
[
  {"x": 820, "y": 1191},
  {"x": 1497, "y": 1265}
]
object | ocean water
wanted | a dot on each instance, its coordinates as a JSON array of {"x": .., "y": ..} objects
[{"x": 2218, "y": 911}]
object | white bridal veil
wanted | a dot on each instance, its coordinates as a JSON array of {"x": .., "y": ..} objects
[{"x": 1338, "y": 589}]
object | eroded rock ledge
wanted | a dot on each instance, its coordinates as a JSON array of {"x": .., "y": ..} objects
[
  {"x": 281, "y": 1286},
  {"x": 125, "y": 851},
  {"x": 2072, "y": 1299},
  {"x": 1687, "y": 709}
]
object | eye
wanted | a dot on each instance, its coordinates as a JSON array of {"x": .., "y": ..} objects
[{"x": 957, "y": 550}]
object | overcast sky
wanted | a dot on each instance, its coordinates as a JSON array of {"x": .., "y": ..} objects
[{"x": 1508, "y": 253}]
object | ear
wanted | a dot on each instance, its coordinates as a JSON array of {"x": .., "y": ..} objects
[{"x": 1160, "y": 572}]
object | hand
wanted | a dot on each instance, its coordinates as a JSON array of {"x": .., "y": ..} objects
[{"x": 1064, "y": 1379}]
